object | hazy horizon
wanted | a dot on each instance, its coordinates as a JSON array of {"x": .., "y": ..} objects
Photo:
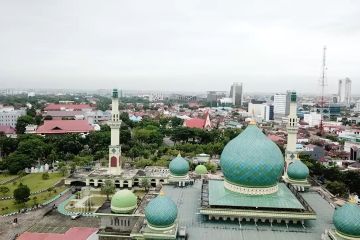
[{"x": 188, "y": 45}]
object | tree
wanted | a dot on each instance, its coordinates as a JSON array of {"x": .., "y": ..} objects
[
  {"x": 337, "y": 188},
  {"x": 35, "y": 200},
  {"x": 33, "y": 147},
  {"x": 22, "y": 122},
  {"x": 4, "y": 190},
  {"x": 7, "y": 145},
  {"x": 16, "y": 162},
  {"x": 108, "y": 188},
  {"x": 145, "y": 183},
  {"x": 63, "y": 170},
  {"x": 22, "y": 193},
  {"x": 45, "y": 176}
]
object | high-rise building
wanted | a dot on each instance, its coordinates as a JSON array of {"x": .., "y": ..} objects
[
  {"x": 279, "y": 103},
  {"x": 236, "y": 94},
  {"x": 213, "y": 97},
  {"x": 115, "y": 148},
  {"x": 344, "y": 91},
  {"x": 282, "y": 104},
  {"x": 269, "y": 112}
]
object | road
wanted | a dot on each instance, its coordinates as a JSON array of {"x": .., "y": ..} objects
[{"x": 25, "y": 220}]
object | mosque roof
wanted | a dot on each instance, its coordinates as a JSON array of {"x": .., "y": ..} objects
[
  {"x": 298, "y": 170},
  {"x": 347, "y": 220},
  {"x": 201, "y": 169},
  {"x": 282, "y": 199},
  {"x": 179, "y": 166},
  {"x": 124, "y": 201},
  {"x": 161, "y": 212},
  {"x": 252, "y": 160}
]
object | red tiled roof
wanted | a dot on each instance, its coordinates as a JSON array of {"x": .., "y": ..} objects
[
  {"x": 64, "y": 126},
  {"x": 195, "y": 123},
  {"x": 64, "y": 113},
  {"x": 275, "y": 138},
  {"x": 7, "y": 129},
  {"x": 78, "y": 233},
  {"x": 58, "y": 107}
]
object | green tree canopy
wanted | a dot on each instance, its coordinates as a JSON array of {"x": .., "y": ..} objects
[
  {"x": 22, "y": 193},
  {"x": 22, "y": 122},
  {"x": 108, "y": 188}
]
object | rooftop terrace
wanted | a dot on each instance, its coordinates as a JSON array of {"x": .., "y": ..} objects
[{"x": 199, "y": 228}]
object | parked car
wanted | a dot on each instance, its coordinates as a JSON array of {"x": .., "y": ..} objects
[
  {"x": 182, "y": 234},
  {"x": 75, "y": 216}
]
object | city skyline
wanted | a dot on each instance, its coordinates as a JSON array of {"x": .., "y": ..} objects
[{"x": 179, "y": 46}]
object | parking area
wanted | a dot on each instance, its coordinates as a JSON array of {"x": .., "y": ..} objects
[{"x": 58, "y": 223}]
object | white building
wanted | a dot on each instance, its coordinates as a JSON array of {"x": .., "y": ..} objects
[
  {"x": 261, "y": 111},
  {"x": 9, "y": 116},
  {"x": 281, "y": 104},
  {"x": 357, "y": 106},
  {"x": 344, "y": 91},
  {"x": 257, "y": 109},
  {"x": 312, "y": 118}
]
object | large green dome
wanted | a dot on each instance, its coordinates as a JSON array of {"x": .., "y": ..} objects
[
  {"x": 179, "y": 166},
  {"x": 161, "y": 212},
  {"x": 252, "y": 160},
  {"x": 347, "y": 220},
  {"x": 297, "y": 170},
  {"x": 201, "y": 169},
  {"x": 124, "y": 201}
]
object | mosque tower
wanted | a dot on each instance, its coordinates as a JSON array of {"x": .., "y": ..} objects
[
  {"x": 115, "y": 148},
  {"x": 292, "y": 130}
]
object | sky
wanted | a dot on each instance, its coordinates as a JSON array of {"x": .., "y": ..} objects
[{"x": 179, "y": 45}]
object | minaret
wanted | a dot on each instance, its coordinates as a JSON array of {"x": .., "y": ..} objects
[
  {"x": 292, "y": 130},
  {"x": 115, "y": 148}
]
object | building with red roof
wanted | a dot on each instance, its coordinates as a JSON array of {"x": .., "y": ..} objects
[
  {"x": 67, "y": 107},
  {"x": 78, "y": 233},
  {"x": 7, "y": 130},
  {"x": 201, "y": 123},
  {"x": 64, "y": 126}
]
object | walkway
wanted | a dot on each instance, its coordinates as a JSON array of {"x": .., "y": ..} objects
[{"x": 25, "y": 220}]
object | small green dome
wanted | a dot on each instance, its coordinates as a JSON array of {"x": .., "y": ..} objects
[
  {"x": 347, "y": 220},
  {"x": 252, "y": 160},
  {"x": 179, "y": 166},
  {"x": 297, "y": 170},
  {"x": 124, "y": 201},
  {"x": 161, "y": 212},
  {"x": 201, "y": 169}
]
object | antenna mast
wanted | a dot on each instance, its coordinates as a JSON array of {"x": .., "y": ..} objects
[{"x": 322, "y": 85}]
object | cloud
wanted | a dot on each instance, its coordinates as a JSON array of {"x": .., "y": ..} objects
[{"x": 178, "y": 45}]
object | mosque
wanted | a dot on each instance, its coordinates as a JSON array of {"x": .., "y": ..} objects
[{"x": 259, "y": 196}]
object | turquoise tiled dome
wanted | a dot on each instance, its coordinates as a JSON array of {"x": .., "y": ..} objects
[
  {"x": 252, "y": 160},
  {"x": 161, "y": 212},
  {"x": 347, "y": 220},
  {"x": 179, "y": 166},
  {"x": 298, "y": 170}
]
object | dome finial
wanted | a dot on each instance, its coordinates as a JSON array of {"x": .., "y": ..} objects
[
  {"x": 352, "y": 199},
  {"x": 252, "y": 122},
  {"x": 179, "y": 154},
  {"x": 162, "y": 193}
]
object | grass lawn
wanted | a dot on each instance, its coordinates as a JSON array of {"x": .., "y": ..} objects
[
  {"x": 34, "y": 181},
  {"x": 5, "y": 177},
  {"x": 40, "y": 198}
]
